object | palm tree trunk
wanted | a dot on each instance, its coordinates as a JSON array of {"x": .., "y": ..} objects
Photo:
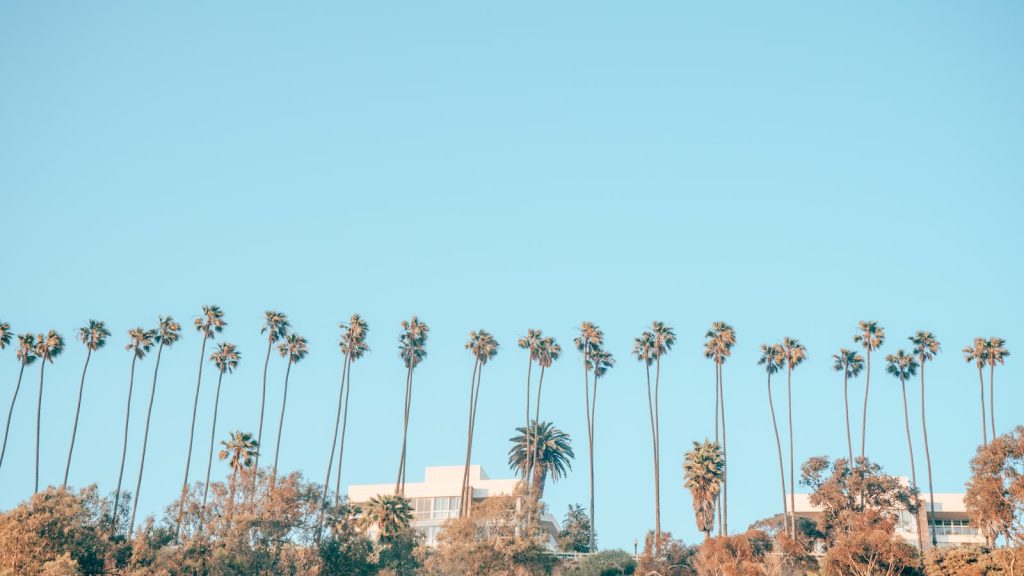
[
  {"x": 124, "y": 447},
  {"x": 259, "y": 432},
  {"x": 145, "y": 441},
  {"x": 399, "y": 482},
  {"x": 992, "y": 398},
  {"x": 337, "y": 425},
  {"x": 846, "y": 406},
  {"x": 657, "y": 457},
  {"x": 213, "y": 435},
  {"x": 792, "y": 466},
  {"x": 463, "y": 508},
  {"x": 10, "y": 413},
  {"x": 280, "y": 426},
  {"x": 928, "y": 459},
  {"x": 592, "y": 547},
  {"x": 984, "y": 420},
  {"x": 540, "y": 384},
  {"x": 476, "y": 402},
  {"x": 529, "y": 462},
  {"x": 231, "y": 494},
  {"x": 864, "y": 421},
  {"x": 778, "y": 446},
  {"x": 344, "y": 426},
  {"x": 654, "y": 441},
  {"x": 39, "y": 419},
  {"x": 191, "y": 435},
  {"x": 913, "y": 473},
  {"x": 78, "y": 410},
  {"x": 725, "y": 458}
]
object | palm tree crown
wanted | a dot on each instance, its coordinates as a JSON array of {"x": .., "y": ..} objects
[
  {"x": 849, "y": 362},
  {"x": 211, "y": 321},
  {"x": 794, "y": 352},
  {"x": 719, "y": 341},
  {"x": 548, "y": 352},
  {"x": 532, "y": 342},
  {"x": 353, "y": 337},
  {"x": 664, "y": 337},
  {"x": 94, "y": 335},
  {"x": 977, "y": 352},
  {"x": 391, "y": 514},
  {"x": 412, "y": 342},
  {"x": 599, "y": 361},
  {"x": 590, "y": 338},
  {"x": 140, "y": 341},
  {"x": 168, "y": 331},
  {"x": 239, "y": 449},
  {"x": 49, "y": 346},
  {"x": 703, "y": 469},
  {"x": 901, "y": 365},
  {"x": 26, "y": 349},
  {"x": 996, "y": 351},
  {"x": 926, "y": 346},
  {"x": 275, "y": 325},
  {"x": 226, "y": 357},
  {"x": 773, "y": 358},
  {"x": 482, "y": 345},
  {"x": 294, "y": 348},
  {"x": 871, "y": 335},
  {"x": 5, "y": 335},
  {"x": 552, "y": 453},
  {"x": 643, "y": 347}
]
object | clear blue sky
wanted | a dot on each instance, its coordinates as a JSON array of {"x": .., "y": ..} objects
[{"x": 790, "y": 169}]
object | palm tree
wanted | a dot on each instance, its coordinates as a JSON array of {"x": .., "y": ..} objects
[
  {"x": 850, "y": 364},
  {"x": 226, "y": 358},
  {"x": 531, "y": 343},
  {"x": 48, "y": 347},
  {"x": 600, "y": 362},
  {"x": 391, "y": 514},
  {"x": 871, "y": 336},
  {"x": 140, "y": 342},
  {"x": 275, "y": 326},
  {"x": 995, "y": 353},
  {"x": 773, "y": 358},
  {"x": 978, "y": 354},
  {"x": 926, "y": 346},
  {"x": 795, "y": 353},
  {"x": 903, "y": 366},
  {"x": 240, "y": 451},
  {"x": 718, "y": 347},
  {"x": 294, "y": 348},
  {"x": 643, "y": 351},
  {"x": 209, "y": 323},
  {"x": 5, "y": 334},
  {"x": 353, "y": 347},
  {"x": 412, "y": 348},
  {"x": 168, "y": 332},
  {"x": 548, "y": 352},
  {"x": 94, "y": 336},
  {"x": 589, "y": 343},
  {"x": 26, "y": 355},
  {"x": 704, "y": 472},
  {"x": 552, "y": 453},
  {"x": 484, "y": 347}
]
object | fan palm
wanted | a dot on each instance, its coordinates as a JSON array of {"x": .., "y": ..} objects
[
  {"x": 704, "y": 473},
  {"x": 483, "y": 347},
  {"x": 26, "y": 354},
  {"x": 412, "y": 348},
  {"x": 240, "y": 451},
  {"x": 978, "y": 354},
  {"x": 225, "y": 358},
  {"x": 773, "y": 358},
  {"x": 600, "y": 362},
  {"x": 5, "y": 334},
  {"x": 850, "y": 364},
  {"x": 548, "y": 352},
  {"x": 294, "y": 348},
  {"x": 168, "y": 332},
  {"x": 904, "y": 366},
  {"x": 795, "y": 353},
  {"x": 643, "y": 351},
  {"x": 532, "y": 343},
  {"x": 718, "y": 344},
  {"x": 140, "y": 342},
  {"x": 48, "y": 347},
  {"x": 926, "y": 346},
  {"x": 353, "y": 347},
  {"x": 870, "y": 336},
  {"x": 552, "y": 454},
  {"x": 995, "y": 353},
  {"x": 275, "y": 326},
  {"x": 589, "y": 343},
  {"x": 94, "y": 336},
  {"x": 391, "y": 514}
]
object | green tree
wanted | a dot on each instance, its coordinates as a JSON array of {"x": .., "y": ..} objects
[
  {"x": 576, "y": 530},
  {"x": 978, "y": 354},
  {"x": 483, "y": 347},
  {"x": 26, "y": 355},
  {"x": 552, "y": 454},
  {"x": 412, "y": 348},
  {"x": 94, "y": 336},
  {"x": 275, "y": 326},
  {"x": 995, "y": 353},
  {"x": 225, "y": 358},
  {"x": 903, "y": 366},
  {"x": 773, "y": 358},
  {"x": 995, "y": 492},
  {"x": 703, "y": 474},
  {"x": 5, "y": 334},
  {"x": 294, "y": 348},
  {"x": 48, "y": 347},
  {"x": 353, "y": 347},
  {"x": 718, "y": 344},
  {"x": 240, "y": 450},
  {"x": 795, "y": 353},
  {"x": 390, "y": 514},
  {"x": 926, "y": 346},
  {"x": 870, "y": 336},
  {"x": 850, "y": 364},
  {"x": 140, "y": 342}
]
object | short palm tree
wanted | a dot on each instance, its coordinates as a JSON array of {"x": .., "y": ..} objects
[
  {"x": 795, "y": 353},
  {"x": 168, "y": 332},
  {"x": 703, "y": 472},
  {"x": 870, "y": 336},
  {"x": 353, "y": 347},
  {"x": 978, "y": 354},
  {"x": 718, "y": 344},
  {"x": 26, "y": 354},
  {"x": 94, "y": 336},
  {"x": 773, "y": 358},
  {"x": 294, "y": 348},
  {"x": 531, "y": 343},
  {"x": 48, "y": 347},
  {"x": 275, "y": 326},
  {"x": 904, "y": 366},
  {"x": 391, "y": 514},
  {"x": 483, "y": 347},
  {"x": 552, "y": 454},
  {"x": 995, "y": 353},
  {"x": 926, "y": 346},
  {"x": 225, "y": 358},
  {"x": 240, "y": 451},
  {"x": 600, "y": 362},
  {"x": 140, "y": 342},
  {"x": 412, "y": 349},
  {"x": 850, "y": 364}
]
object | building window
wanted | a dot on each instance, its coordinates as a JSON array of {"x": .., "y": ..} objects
[
  {"x": 954, "y": 528},
  {"x": 445, "y": 507},
  {"x": 421, "y": 508}
]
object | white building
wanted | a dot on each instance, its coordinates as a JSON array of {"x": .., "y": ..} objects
[{"x": 436, "y": 499}]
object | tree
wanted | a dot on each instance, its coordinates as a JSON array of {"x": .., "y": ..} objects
[
  {"x": 926, "y": 346},
  {"x": 483, "y": 347},
  {"x": 26, "y": 355},
  {"x": 412, "y": 349},
  {"x": 225, "y": 358},
  {"x": 795, "y": 353},
  {"x": 168, "y": 332},
  {"x": 703, "y": 472},
  {"x": 294, "y": 348},
  {"x": 978, "y": 354},
  {"x": 904, "y": 366},
  {"x": 552, "y": 454},
  {"x": 607, "y": 563},
  {"x": 995, "y": 353},
  {"x": 531, "y": 343},
  {"x": 576, "y": 529},
  {"x": 94, "y": 336},
  {"x": 275, "y": 326},
  {"x": 140, "y": 342},
  {"x": 589, "y": 343},
  {"x": 48, "y": 347},
  {"x": 744, "y": 554},
  {"x": 773, "y": 358},
  {"x": 600, "y": 362},
  {"x": 390, "y": 514},
  {"x": 850, "y": 363},
  {"x": 718, "y": 344},
  {"x": 871, "y": 336},
  {"x": 5, "y": 334},
  {"x": 240, "y": 451},
  {"x": 548, "y": 353},
  {"x": 995, "y": 492},
  {"x": 353, "y": 347}
]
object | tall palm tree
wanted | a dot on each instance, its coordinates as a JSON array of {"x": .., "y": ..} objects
[
  {"x": 548, "y": 353},
  {"x": 850, "y": 363},
  {"x": 978, "y": 354},
  {"x": 168, "y": 332},
  {"x": 48, "y": 347},
  {"x": 294, "y": 348},
  {"x": 226, "y": 358},
  {"x": 391, "y": 514},
  {"x": 483, "y": 347},
  {"x": 240, "y": 451},
  {"x": 26, "y": 354},
  {"x": 903, "y": 366},
  {"x": 209, "y": 324},
  {"x": 412, "y": 348},
  {"x": 588, "y": 343},
  {"x": 795, "y": 353},
  {"x": 275, "y": 326},
  {"x": 531, "y": 343},
  {"x": 353, "y": 347},
  {"x": 703, "y": 472},
  {"x": 600, "y": 362},
  {"x": 643, "y": 351},
  {"x": 718, "y": 344},
  {"x": 140, "y": 342},
  {"x": 926, "y": 346},
  {"x": 995, "y": 353},
  {"x": 94, "y": 336},
  {"x": 871, "y": 336},
  {"x": 773, "y": 358},
  {"x": 552, "y": 454}
]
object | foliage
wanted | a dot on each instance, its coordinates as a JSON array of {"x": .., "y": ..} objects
[
  {"x": 670, "y": 558},
  {"x": 575, "y": 533},
  {"x": 606, "y": 563},
  {"x": 743, "y": 554},
  {"x": 703, "y": 470},
  {"x": 995, "y": 492}
]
